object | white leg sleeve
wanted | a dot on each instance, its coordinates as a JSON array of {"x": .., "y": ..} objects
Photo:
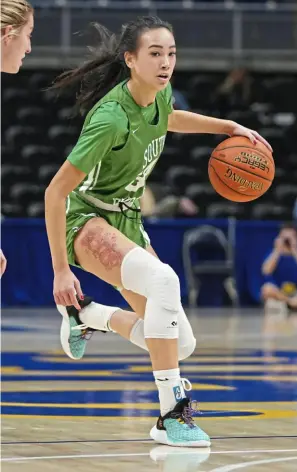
[{"x": 186, "y": 340}]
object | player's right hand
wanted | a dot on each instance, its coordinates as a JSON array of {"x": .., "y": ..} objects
[
  {"x": 67, "y": 288},
  {"x": 3, "y": 263}
]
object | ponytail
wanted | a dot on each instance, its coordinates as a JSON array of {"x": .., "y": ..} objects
[{"x": 94, "y": 79}]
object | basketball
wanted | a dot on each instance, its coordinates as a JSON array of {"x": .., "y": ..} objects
[{"x": 240, "y": 171}]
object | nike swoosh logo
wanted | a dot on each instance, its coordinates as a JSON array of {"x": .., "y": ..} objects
[{"x": 134, "y": 131}]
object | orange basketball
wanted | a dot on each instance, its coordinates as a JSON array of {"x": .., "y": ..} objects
[{"x": 239, "y": 170}]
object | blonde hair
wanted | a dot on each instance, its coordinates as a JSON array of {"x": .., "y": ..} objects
[{"x": 15, "y": 13}]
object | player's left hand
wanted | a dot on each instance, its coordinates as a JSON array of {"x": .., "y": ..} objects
[{"x": 253, "y": 136}]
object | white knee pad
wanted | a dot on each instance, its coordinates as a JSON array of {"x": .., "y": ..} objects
[
  {"x": 143, "y": 273},
  {"x": 146, "y": 275}
]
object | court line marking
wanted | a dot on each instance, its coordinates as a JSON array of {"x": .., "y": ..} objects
[
  {"x": 215, "y": 438},
  {"x": 242, "y": 465},
  {"x": 136, "y": 454}
]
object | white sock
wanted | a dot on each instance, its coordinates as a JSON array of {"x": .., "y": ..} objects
[
  {"x": 170, "y": 387},
  {"x": 97, "y": 316}
]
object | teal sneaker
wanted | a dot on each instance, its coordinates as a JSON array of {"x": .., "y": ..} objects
[
  {"x": 177, "y": 428},
  {"x": 74, "y": 335}
]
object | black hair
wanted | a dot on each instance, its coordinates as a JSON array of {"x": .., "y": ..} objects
[
  {"x": 107, "y": 68},
  {"x": 289, "y": 225}
]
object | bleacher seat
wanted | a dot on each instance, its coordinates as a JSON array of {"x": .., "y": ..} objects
[
  {"x": 226, "y": 209},
  {"x": 36, "y": 155},
  {"x": 178, "y": 178},
  {"x": 286, "y": 194},
  {"x": 25, "y": 193},
  {"x": 270, "y": 211}
]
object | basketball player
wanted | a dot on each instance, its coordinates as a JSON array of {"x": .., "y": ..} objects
[
  {"x": 125, "y": 91},
  {"x": 17, "y": 24}
]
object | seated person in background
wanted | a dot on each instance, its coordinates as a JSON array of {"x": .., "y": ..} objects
[
  {"x": 279, "y": 270},
  {"x": 156, "y": 202},
  {"x": 235, "y": 91}
]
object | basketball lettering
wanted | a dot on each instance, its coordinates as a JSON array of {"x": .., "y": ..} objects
[
  {"x": 243, "y": 182},
  {"x": 253, "y": 161}
]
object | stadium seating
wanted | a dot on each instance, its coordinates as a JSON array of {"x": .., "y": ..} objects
[{"x": 38, "y": 134}]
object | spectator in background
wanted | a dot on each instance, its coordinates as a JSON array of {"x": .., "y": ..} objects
[
  {"x": 295, "y": 211},
  {"x": 279, "y": 269},
  {"x": 236, "y": 90},
  {"x": 179, "y": 101},
  {"x": 155, "y": 202}
]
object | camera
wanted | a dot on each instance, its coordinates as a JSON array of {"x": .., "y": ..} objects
[{"x": 287, "y": 242}]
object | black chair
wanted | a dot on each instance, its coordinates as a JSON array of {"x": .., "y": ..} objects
[
  {"x": 200, "y": 156},
  {"x": 8, "y": 155},
  {"x": 25, "y": 193},
  {"x": 11, "y": 173},
  {"x": 291, "y": 137},
  {"x": 202, "y": 194},
  {"x": 194, "y": 243},
  {"x": 17, "y": 136},
  {"x": 47, "y": 172},
  {"x": 36, "y": 155},
  {"x": 281, "y": 93},
  {"x": 35, "y": 210},
  {"x": 12, "y": 210},
  {"x": 271, "y": 211},
  {"x": 246, "y": 118},
  {"x": 285, "y": 194},
  {"x": 178, "y": 178},
  {"x": 32, "y": 116},
  {"x": 13, "y": 98},
  {"x": 40, "y": 81},
  {"x": 276, "y": 137},
  {"x": 171, "y": 156},
  {"x": 226, "y": 209},
  {"x": 60, "y": 136},
  {"x": 201, "y": 89}
]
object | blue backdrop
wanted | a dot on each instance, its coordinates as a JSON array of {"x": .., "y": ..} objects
[{"x": 28, "y": 279}]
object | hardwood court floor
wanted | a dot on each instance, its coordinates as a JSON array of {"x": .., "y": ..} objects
[{"x": 95, "y": 415}]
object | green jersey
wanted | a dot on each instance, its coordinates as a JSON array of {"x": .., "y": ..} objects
[{"x": 119, "y": 146}]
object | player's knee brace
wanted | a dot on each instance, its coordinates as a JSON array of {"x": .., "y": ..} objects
[{"x": 146, "y": 275}]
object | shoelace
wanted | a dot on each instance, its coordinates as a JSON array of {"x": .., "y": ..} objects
[
  {"x": 186, "y": 382},
  {"x": 187, "y": 414},
  {"x": 86, "y": 332}
]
